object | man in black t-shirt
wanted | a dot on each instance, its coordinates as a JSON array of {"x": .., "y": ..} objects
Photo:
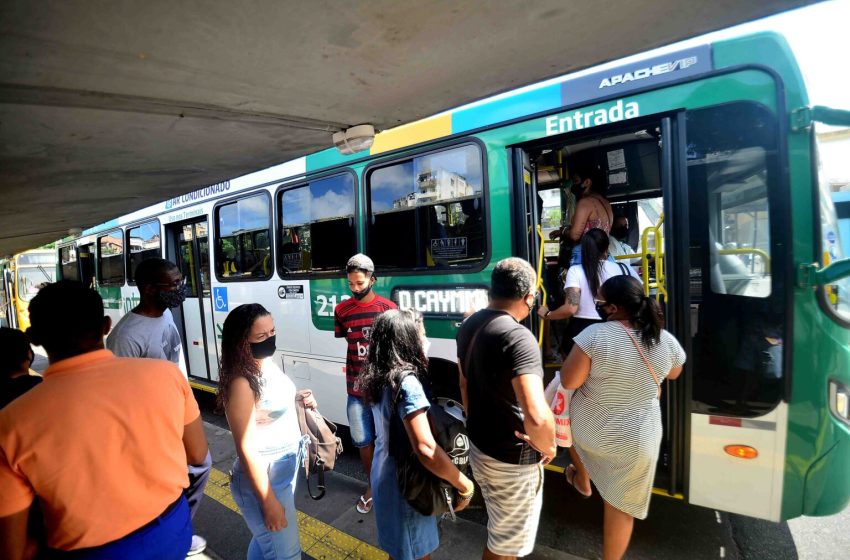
[{"x": 510, "y": 425}]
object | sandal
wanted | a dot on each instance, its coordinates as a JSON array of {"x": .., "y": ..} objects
[
  {"x": 364, "y": 506},
  {"x": 570, "y": 474}
]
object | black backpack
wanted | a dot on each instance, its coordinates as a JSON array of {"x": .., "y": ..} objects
[{"x": 425, "y": 492}]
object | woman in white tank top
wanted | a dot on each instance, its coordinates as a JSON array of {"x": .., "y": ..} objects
[{"x": 259, "y": 400}]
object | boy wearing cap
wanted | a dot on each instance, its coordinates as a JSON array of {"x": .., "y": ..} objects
[{"x": 353, "y": 320}]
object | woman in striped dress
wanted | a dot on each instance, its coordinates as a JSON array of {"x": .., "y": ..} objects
[{"x": 617, "y": 367}]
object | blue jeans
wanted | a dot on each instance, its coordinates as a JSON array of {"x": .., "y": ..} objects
[
  {"x": 167, "y": 537},
  {"x": 361, "y": 422},
  {"x": 286, "y": 543}
]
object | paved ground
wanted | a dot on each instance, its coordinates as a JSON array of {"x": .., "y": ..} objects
[{"x": 571, "y": 527}]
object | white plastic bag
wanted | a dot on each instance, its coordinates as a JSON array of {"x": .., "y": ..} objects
[{"x": 559, "y": 399}]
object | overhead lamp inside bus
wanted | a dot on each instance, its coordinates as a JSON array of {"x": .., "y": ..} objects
[{"x": 354, "y": 139}]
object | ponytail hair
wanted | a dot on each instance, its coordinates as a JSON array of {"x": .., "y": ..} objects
[
  {"x": 644, "y": 312},
  {"x": 594, "y": 245}
]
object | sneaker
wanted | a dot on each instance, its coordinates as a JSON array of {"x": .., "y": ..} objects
[{"x": 199, "y": 544}]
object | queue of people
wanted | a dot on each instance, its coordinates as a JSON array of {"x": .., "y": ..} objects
[{"x": 131, "y": 422}]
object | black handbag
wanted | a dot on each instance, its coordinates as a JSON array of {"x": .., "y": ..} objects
[{"x": 425, "y": 492}]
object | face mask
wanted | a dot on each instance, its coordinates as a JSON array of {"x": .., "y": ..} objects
[
  {"x": 361, "y": 294},
  {"x": 619, "y": 232},
  {"x": 577, "y": 190},
  {"x": 600, "y": 308},
  {"x": 173, "y": 298},
  {"x": 263, "y": 349},
  {"x": 426, "y": 345}
]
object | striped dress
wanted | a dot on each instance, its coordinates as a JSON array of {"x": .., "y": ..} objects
[{"x": 615, "y": 415}]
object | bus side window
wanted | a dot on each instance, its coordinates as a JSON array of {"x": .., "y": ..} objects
[
  {"x": 428, "y": 212},
  {"x": 110, "y": 259},
  {"x": 317, "y": 229},
  {"x": 68, "y": 262},
  {"x": 242, "y": 240},
  {"x": 143, "y": 242}
]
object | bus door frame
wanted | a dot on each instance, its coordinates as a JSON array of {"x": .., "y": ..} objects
[
  {"x": 525, "y": 219},
  {"x": 674, "y": 192},
  {"x": 172, "y": 253}
]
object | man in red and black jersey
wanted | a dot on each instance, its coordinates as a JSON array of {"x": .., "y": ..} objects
[{"x": 353, "y": 320}]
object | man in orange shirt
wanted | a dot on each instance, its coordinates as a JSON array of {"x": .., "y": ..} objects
[{"x": 103, "y": 442}]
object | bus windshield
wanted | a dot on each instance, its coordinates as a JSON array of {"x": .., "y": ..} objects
[{"x": 30, "y": 280}]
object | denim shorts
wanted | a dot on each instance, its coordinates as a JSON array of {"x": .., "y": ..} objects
[{"x": 361, "y": 422}]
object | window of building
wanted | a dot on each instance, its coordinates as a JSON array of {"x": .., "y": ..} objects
[
  {"x": 243, "y": 239},
  {"x": 143, "y": 242},
  {"x": 110, "y": 259},
  {"x": 428, "y": 212},
  {"x": 68, "y": 262},
  {"x": 317, "y": 228}
]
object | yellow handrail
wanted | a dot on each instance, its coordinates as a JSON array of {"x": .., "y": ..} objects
[
  {"x": 660, "y": 283},
  {"x": 540, "y": 260},
  {"x": 748, "y": 251}
]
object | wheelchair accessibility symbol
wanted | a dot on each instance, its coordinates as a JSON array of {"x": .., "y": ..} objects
[{"x": 220, "y": 299}]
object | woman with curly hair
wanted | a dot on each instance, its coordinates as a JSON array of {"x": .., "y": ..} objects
[
  {"x": 394, "y": 371},
  {"x": 259, "y": 400}
]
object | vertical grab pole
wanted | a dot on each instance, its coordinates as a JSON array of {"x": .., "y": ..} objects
[{"x": 540, "y": 261}]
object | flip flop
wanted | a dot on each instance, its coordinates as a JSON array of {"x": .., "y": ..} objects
[
  {"x": 364, "y": 506},
  {"x": 570, "y": 474}
]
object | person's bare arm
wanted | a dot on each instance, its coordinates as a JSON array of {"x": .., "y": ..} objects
[
  {"x": 464, "y": 394},
  {"x": 195, "y": 442},
  {"x": 538, "y": 422},
  {"x": 570, "y": 307},
  {"x": 675, "y": 372},
  {"x": 432, "y": 456},
  {"x": 240, "y": 416},
  {"x": 575, "y": 369},
  {"x": 15, "y": 543},
  {"x": 580, "y": 219}
]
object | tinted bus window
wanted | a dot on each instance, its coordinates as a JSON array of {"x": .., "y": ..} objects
[
  {"x": 317, "y": 230},
  {"x": 36, "y": 258},
  {"x": 737, "y": 302},
  {"x": 110, "y": 259},
  {"x": 428, "y": 212},
  {"x": 243, "y": 239},
  {"x": 68, "y": 262},
  {"x": 143, "y": 242}
]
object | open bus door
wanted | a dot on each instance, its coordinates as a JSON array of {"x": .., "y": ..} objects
[
  {"x": 639, "y": 164},
  {"x": 187, "y": 245}
]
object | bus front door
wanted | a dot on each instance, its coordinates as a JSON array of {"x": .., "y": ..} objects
[{"x": 187, "y": 245}]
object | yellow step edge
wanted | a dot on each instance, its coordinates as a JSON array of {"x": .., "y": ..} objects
[
  {"x": 318, "y": 539},
  {"x": 657, "y": 491}
]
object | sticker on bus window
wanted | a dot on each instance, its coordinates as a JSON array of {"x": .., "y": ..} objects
[
  {"x": 449, "y": 248},
  {"x": 292, "y": 261}
]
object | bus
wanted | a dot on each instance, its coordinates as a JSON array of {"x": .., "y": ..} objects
[
  {"x": 22, "y": 276},
  {"x": 709, "y": 151}
]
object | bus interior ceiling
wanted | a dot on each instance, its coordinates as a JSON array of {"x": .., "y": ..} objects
[{"x": 106, "y": 110}]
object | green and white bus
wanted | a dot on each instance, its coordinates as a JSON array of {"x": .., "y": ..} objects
[{"x": 709, "y": 150}]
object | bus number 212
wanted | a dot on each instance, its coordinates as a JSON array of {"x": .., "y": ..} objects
[{"x": 327, "y": 304}]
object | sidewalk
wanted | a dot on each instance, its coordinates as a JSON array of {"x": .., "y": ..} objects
[{"x": 331, "y": 528}]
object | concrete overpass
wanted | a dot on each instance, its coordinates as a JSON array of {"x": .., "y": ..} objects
[{"x": 107, "y": 107}]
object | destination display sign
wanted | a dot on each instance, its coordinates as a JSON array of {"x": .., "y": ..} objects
[{"x": 441, "y": 301}]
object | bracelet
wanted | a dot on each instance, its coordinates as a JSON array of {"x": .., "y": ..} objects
[
  {"x": 548, "y": 311},
  {"x": 466, "y": 496}
]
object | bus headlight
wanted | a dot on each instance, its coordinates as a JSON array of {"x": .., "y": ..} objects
[{"x": 839, "y": 401}]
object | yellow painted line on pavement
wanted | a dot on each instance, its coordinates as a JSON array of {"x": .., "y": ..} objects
[
  {"x": 202, "y": 387},
  {"x": 318, "y": 539}
]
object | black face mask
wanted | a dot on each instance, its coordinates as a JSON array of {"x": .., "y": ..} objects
[
  {"x": 263, "y": 349},
  {"x": 172, "y": 298},
  {"x": 361, "y": 294},
  {"x": 577, "y": 190},
  {"x": 619, "y": 232},
  {"x": 600, "y": 308}
]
